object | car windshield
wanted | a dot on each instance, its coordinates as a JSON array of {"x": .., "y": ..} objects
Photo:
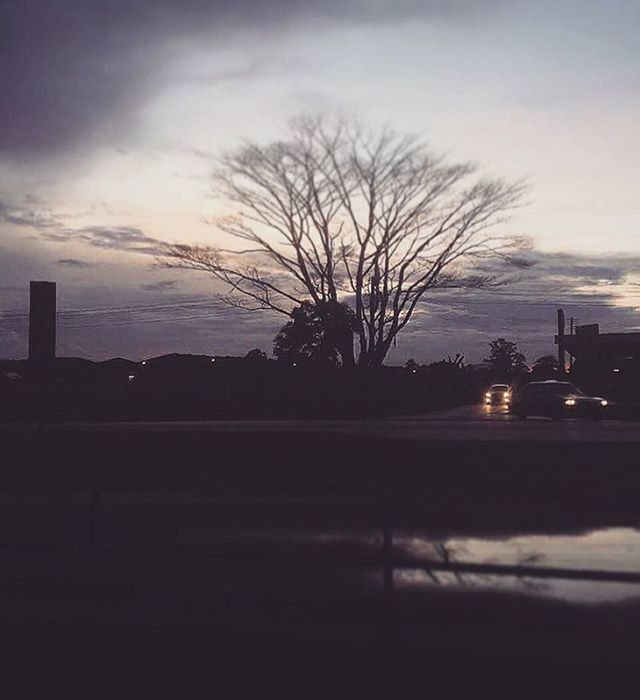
[
  {"x": 555, "y": 389},
  {"x": 499, "y": 387}
]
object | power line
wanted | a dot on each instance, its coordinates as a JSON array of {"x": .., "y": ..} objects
[
  {"x": 189, "y": 301},
  {"x": 15, "y": 314},
  {"x": 137, "y": 321},
  {"x": 204, "y": 302}
]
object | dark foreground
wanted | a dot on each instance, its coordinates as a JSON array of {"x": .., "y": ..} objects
[{"x": 251, "y": 563}]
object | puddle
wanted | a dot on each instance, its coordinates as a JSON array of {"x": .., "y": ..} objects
[{"x": 616, "y": 549}]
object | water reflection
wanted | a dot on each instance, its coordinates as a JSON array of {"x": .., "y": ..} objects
[{"x": 616, "y": 549}]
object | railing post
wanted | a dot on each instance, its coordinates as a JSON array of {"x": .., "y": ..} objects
[
  {"x": 95, "y": 524},
  {"x": 386, "y": 618},
  {"x": 387, "y": 553},
  {"x": 386, "y": 512}
]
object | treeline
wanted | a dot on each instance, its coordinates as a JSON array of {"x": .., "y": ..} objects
[
  {"x": 184, "y": 387},
  {"x": 201, "y": 387}
]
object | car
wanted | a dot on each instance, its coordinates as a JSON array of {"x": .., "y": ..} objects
[
  {"x": 557, "y": 399},
  {"x": 499, "y": 394}
]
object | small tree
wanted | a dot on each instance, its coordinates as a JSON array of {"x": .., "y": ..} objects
[
  {"x": 412, "y": 366},
  {"x": 548, "y": 361},
  {"x": 257, "y": 355},
  {"x": 321, "y": 333},
  {"x": 546, "y": 367},
  {"x": 505, "y": 360}
]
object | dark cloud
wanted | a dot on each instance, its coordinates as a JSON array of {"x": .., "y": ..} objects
[
  {"x": 161, "y": 286},
  {"x": 30, "y": 215},
  {"x": 563, "y": 272},
  {"x": 127, "y": 238},
  {"x": 591, "y": 268},
  {"x": 54, "y": 227},
  {"x": 73, "y": 68},
  {"x": 74, "y": 262}
]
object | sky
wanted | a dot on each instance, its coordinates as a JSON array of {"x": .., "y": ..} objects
[{"x": 114, "y": 114}]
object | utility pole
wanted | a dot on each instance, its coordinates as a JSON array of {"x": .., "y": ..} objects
[
  {"x": 561, "y": 326},
  {"x": 572, "y": 326}
]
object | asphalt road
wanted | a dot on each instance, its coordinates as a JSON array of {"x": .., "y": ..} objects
[{"x": 467, "y": 423}]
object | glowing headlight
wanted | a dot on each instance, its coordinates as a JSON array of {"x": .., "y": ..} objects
[
  {"x": 604, "y": 402},
  {"x": 506, "y": 396},
  {"x": 570, "y": 402},
  {"x": 487, "y": 395}
]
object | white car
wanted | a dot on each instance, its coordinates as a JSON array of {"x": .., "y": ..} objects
[{"x": 498, "y": 394}]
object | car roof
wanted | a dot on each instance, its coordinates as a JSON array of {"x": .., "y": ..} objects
[{"x": 548, "y": 381}]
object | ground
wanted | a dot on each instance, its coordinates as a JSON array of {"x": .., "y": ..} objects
[{"x": 244, "y": 559}]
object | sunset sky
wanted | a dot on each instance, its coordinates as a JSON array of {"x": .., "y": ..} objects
[{"x": 113, "y": 115}]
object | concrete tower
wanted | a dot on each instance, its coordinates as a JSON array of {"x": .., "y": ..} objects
[{"x": 42, "y": 321}]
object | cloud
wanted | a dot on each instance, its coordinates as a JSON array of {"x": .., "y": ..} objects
[
  {"x": 161, "y": 286},
  {"x": 74, "y": 262},
  {"x": 54, "y": 227},
  {"x": 125, "y": 238},
  {"x": 28, "y": 216},
  {"x": 554, "y": 274},
  {"x": 73, "y": 69}
]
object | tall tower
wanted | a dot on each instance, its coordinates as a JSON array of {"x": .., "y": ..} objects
[{"x": 42, "y": 321}]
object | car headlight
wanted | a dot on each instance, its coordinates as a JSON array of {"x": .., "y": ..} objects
[
  {"x": 570, "y": 402},
  {"x": 487, "y": 395},
  {"x": 604, "y": 402}
]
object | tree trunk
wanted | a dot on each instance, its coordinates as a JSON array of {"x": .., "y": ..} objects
[{"x": 346, "y": 349}]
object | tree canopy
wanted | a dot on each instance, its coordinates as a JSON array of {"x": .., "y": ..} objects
[
  {"x": 338, "y": 213},
  {"x": 321, "y": 333},
  {"x": 505, "y": 360}
]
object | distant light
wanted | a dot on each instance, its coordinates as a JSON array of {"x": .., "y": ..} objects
[
  {"x": 604, "y": 402},
  {"x": 414, "y": 371},
  {"x": 213, "y": 359},
  {"x": 144, "y": 362},
  {"x": 570, "y": 402},
  {"x": 295, "y": 364},
  {"x": 132, "y": 377},
  {"x": 616, "y": 369}
]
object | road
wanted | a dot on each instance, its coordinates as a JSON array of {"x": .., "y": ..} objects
[{"x": 468, "y": 423}]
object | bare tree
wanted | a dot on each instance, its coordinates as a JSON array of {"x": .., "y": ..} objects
[{"x": 336, "y": 212}]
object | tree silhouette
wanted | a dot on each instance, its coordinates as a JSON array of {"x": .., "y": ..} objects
[
  {"x": 257, "y": 355},
  {"x": 412, "y": 366},
  {"x": 546, "y": 367},
  {"x": 337, "y": 212},
  {"x": 505, "y": 360},
  {"x": 321, "y": 333},
  {"x": 549, "y": 361}
]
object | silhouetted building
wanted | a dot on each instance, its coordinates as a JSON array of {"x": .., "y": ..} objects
[
  {"x": 42, "y": 321},
  {"x": 587, "y": 343}
]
